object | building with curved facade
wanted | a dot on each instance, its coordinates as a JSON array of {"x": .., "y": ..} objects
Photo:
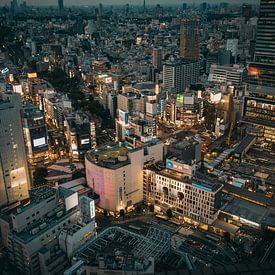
[{"x": 115, "y": 173}]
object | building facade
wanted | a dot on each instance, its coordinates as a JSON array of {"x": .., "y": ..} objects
[
  {"x": 259, "y": 104},
  {"x": 178, "y": 75},
  {"x": 14, "y": 174},
  {"x": 188, "y": 199},
  {"x": 190, "y": 39},
  {"x": 115, "y": 173}
]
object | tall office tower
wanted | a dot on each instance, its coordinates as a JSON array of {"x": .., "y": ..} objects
[
  {"x": 203, "y": 6},
  {"x": 60, "y": 4},
  {"x": 157, "y": 58},
  {"x": 246, "y": 11},
  {"x": 178, "y": 75},
  {"x": 144, "y": 5},
  {"x": 265, "y": 43},
  {"x": 259, "y": 106},
  {"x": 190, "y": 39},
  {"x": 14, "y": 6},
  {"x": 100, "y": 9},
  {"x": 14, "y": 175},
  {"x": 184, "y": 6}
]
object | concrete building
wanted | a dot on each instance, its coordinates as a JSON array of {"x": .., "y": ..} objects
[
  {"x": 115, "y": 173},
  {"x": 157, "y": 58},
  {"x": 234, "y": 75},
  {"x": 80, "y": 134},
  {"x": 74, "y": 236},
  {"x": 14, "y": 174},
  {"x": 178, "y": 75},
  {"x": 173, "y": 188},
  {"x": 259, "y": 105},
  {"x": 35, "y": 132},
  {"x": 31, "y": 232},
  {"x": 190, "y": 39}
]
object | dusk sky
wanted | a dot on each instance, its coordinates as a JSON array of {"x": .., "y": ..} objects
[{"x": 116, "y": 2}]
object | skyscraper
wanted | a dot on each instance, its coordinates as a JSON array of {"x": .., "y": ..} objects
[
  {"x": 246, "y": 11},
  {"x": 157, "y": 58},
  {"x": 190, "y": 39},
  {"x": 60, "y": 4},
  {"x": 14, "y": 175},
  {"x": 259, "y": 106},
  {"x": 265, "y": 43},
  {"x": 178, "y": 75}
]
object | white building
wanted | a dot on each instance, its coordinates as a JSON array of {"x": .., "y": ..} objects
[
  {"x": 189, "y": 199},
  {"x": 232, "y": 45},
  {"x": 234, "y": 75}
]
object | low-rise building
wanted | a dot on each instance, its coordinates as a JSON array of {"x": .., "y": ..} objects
[
  {"x": 30, "y": 233},
  {"x": 173, "y": 188},
  {"x": 115, "y": 173}
]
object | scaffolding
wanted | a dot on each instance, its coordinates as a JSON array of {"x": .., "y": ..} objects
[{"x": 155, "y": 244}]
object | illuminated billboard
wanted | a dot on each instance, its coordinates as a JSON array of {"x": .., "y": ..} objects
[
  {"x": 123, "y": 117},
  {"x": 39, "y": 142},
  {"x": 180, "y": 99},
  {"x": 85, "y": 141},
  {"x": 32, "y": 75}
]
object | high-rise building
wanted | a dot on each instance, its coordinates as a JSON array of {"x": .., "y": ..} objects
[
  {"x": 190, "y": 39},
  {"x": 178, "y": 75},
  {"x": 184, "y": 6},
  {"x": 246, "y": 11},
  {"x": 14, "y": 6},
  {"x": 259, "y": 106},
  {"x": 265, "y": 43},
  {"x": 60, "y": 4},
  {"x": 203, "y": 6},
  {"x": 14, "y": 175},
  {"x": 157, "y": 58}
]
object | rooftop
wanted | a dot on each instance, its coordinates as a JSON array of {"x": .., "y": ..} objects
[
  {"x": 122, "y": 249},
  {"x": 43, "y": 225},
  {"x": 250, "y": 211},
  {"x": 205, "y": 185},
  {"x": 111, "y": 156}
]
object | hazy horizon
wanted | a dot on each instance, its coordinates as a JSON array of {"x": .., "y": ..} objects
[{"x": 122, "y": 2}]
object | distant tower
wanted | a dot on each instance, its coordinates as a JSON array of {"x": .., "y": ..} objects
[
  {"x": 100, "y": 9},
  {"x": 14, "y": 6},
  {"x": 60, "y": 5},
  {"x": 157, "y": 58},
  {"x": 144, "y": 5},
  {"x": 190, "y": 39}
]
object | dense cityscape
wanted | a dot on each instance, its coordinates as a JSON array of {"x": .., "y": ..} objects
[{"x": 137, "y": 138}]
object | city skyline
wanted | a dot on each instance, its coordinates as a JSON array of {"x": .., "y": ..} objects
[
  {"x": 137, "y": 139},
  {"x": 120, "y": 2}
]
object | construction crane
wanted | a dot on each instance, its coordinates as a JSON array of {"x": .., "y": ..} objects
[{"x": 232, "y": 125}]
